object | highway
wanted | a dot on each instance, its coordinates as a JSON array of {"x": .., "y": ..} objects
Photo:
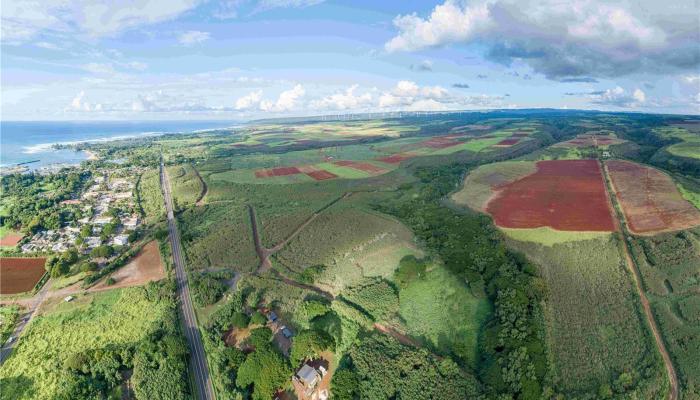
[{"x": 198, "y": 361}]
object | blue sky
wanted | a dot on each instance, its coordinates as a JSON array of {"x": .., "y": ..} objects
[{"x": 243, "y": 59}]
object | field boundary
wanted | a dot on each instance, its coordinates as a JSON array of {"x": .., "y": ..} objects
[{"x": 636, "y": 276}]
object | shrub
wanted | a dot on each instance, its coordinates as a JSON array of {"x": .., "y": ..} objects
[
  {"x": 239, "y": 320},
  {"x": 110, "y": 281},
  {"x": 257, "y": 318},
  {"x": 376, "y": 296},
  {"x": 308, "y": 344}
]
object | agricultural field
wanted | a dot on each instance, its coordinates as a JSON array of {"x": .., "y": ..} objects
[
  {"x": 187, "y": 186},
  {"x": 650, "y": 199},
  {"x": 599, "y": 139},
  {"x": 670, "y": 267},
  {"x": 689, "y": 136},
  {"x": 595, "y": 332},
  {"x": 20, "y": 275},
  {"x": 118, "y": 328},
  {"x": 9, "y": 237},
  {"x": 149, "y": 196}
]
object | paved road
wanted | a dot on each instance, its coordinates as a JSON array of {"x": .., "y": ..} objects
[
  {"x": 198, "y": 360},
  {"x": 25, "y": 318}
]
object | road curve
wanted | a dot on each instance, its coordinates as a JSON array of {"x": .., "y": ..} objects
[
  {"x": 198, "y": 360},
  {"x": 637, "y": 278}
]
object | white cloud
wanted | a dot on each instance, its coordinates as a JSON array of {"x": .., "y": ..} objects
[
  {"x": 24, "y": 19},
  {"x": 99, "y": 68},
  {"x": 346, "y": 100},
  {"x": 249, "y": 101},
  {"x": 619, "y": 97},
  {"x": 270, "y": 4},
  {"x": 561, "y": 39},
  {"x": 287, "y": 100},
  {"x": 193, "y": 37}
]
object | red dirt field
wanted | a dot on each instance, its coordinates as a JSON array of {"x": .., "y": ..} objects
[
  {"x": 321, "y": 175},
  {"x": 145, "y": 267},
  {"x": 11, "y": 239},
  {"x": 396, "y": 158},
  {"x": 650, "y": 200},
  {"x": 18, "y": 275},
  {"x": 362, "y": 166},
  {"x": 590, "y": 141},
  {"x": 279, "y": 171},
  {"x": 566, "y": 195},
  {"x": 439, "y": 143},
  {"x": 508, "y": 142}
]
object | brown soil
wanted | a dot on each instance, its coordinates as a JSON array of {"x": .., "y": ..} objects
[
  {"x": 321, "y": 175},
  {"x": 567, "y": 195},
  {"x": 145, "y": 267},
  {"x": 18, "y": 275},
  {"x": 401, "y": 337},
  {"x": 11, "y": 240},
  {"x": 650, "y": 200}
]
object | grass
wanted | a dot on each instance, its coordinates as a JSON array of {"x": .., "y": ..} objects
[
  {"x": 690, "y": 145},
  {"x": 440, "y": 309},
  {"x": 594, "y": 331},
  {"x": 690, "y": 195},
  {"x": 114, "y": 317},
  {"x": 186, "y": 185},
  {"x": 8, "y": 318},
  {"x": 150, "y": 196},
  {"x": 669, "y": 267},
  {"x": 549, "y": 237},
  {"x": 477, "y": 187}
]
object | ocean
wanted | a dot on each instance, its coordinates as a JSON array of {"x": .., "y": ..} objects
[{"x": 31, "y": 142}]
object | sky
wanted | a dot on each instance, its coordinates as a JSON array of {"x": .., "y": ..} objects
[{"x": 248, "y": 59}]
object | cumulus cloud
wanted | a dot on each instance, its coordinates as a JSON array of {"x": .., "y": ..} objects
[
  {"x": 287, "y": 100},
  {"x": 619, "y": 97},
  {"x": 346, "y": 100},
  {"x": 22, "y": 20},
  {"x": 249, "y": 101},
  {"x": 78, "y": 104},
  {"x": 190, "y": 38},
  {"x": 410, "y": 96},
  {"x": 564, "y": 40}
]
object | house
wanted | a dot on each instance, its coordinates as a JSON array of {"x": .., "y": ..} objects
[
  {"x": 606, "y": 154},
  {"x": 92, "y": 241},
  {"x": 130, "y": 223},
  {"x": 120, "y": 240},
  {"x": 122, "y": 195},
  {"x": 272, "y": 316},
  {"x": 102, "y": 220},
  {"x": 307, "y": 382},
  {"x": 287, "y": 332}
]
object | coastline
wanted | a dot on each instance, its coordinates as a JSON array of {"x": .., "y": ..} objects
[{"x": 91, "y": 156}]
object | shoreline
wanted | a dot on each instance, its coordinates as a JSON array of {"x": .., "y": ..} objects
[{"x": 91, "y": 155}]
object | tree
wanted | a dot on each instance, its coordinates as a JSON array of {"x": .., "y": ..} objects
[
  {"x": 102, "y": 251},
  {"x": 308, "y": 344},
  {"x": 257, "y": 318},
  {"x": 88, "y": 266},
  {"x": 344, "y": 384},
  {"x": 86, "y": 230},
  {"x": 239, "y": 320},
  {"x": 266, "y": 370}
]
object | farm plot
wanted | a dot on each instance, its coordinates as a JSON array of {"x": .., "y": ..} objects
[
  {"x": 146, "y": 267},
  {"x": 594, "y": 331},
  {"x": 352, "y": 244},
  {"x": 9, "y": 238},
  {"x": 670, "y": 264},
  {"x": 20, "y": 274},
  {"x": 591, "y": 140},
  {"x": 565, "y": 195},
  {"x": 186, "y": 184},
  {"x": 481, "y": 185},
  {"x": 650, "y": 199}
]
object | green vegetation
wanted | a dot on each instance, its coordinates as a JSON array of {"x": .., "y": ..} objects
[
  {"x": 308, "y": 345},
  {"x": 81, "y": 349},
  {"x": 379, "y": 367},
  {"x": 477, "y": 188},
  {"x": 595, "y": 329},
  {"x": 186, "y": 185},
  {"x": 8, "y": 318},
  {"x": 549, "y": 237},
  {"x": 376, "y": 297},
  {"x": 689, "y": 145},
  {"x": 669, "y": 264},
  {"x": 150, "y": 197},
  {"x": 442, "y": 310}
]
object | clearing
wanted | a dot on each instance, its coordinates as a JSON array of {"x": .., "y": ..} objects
[
  {"x": 650, "y": 199},
  {"x": 20, "y": 274}
]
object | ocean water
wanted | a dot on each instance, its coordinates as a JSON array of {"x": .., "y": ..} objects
[{"x": 22, "y": 142}]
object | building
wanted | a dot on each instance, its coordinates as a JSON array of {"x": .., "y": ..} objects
[
  {"x": 307, "y": 382},
  {"x": 102, "y": 220},
  {"x": 130, "y": 223},
  {"x": 120, "y": 240},
  {"x": 92, "y": 241}
]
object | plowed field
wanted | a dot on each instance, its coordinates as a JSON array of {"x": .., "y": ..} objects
[
  {"x": 566, "y": 195},
  {"x": 19, "y": 275},
  {"x": 650, "y": 200}
]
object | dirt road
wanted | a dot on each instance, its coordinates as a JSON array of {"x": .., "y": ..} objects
[
  {"x": 636, "y": 276},
  {"x": 25, "y": 319}
]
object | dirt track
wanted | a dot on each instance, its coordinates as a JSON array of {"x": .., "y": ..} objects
[
  {"x": 200, "y": 199},
  {"x": 636, "y": 276}
]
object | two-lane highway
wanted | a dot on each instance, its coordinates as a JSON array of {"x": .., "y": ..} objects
[{"x": 198, "y": 360}]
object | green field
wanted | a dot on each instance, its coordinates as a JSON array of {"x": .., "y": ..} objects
[
  {"x": 8, "y": 318},
  {"x": 670, "y": 267},
  {"x": 440, "y": 309},
  {"x": 690, "y": 145},
  {"x": 594, "y": 329},
  {"x": 477, "y": 188},
  {"x": 186, "y": 185},
  {"x": 150, "y": 196},
  {"x": 119, "y": 318}
]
